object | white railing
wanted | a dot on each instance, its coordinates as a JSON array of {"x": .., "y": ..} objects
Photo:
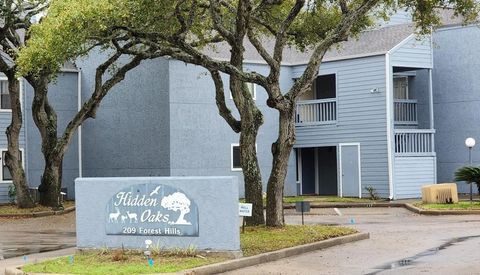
[
  {"x": 316, "y": 112},
  {"x": 414, "y": 142},
  {"x": 405, "y": 111}
]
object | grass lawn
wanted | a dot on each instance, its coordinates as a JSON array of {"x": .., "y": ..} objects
[
  {"x": 324, "y": 199},
  {"x": 257, "y": 240},
  {"x": 12, "y": 209},
  {"x": 117, "y": 262},
  {"x": 462, "y": 205},
  {"x": 254, "y": 241}
]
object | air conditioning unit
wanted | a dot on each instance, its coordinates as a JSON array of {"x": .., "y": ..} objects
[{"x": 440, "y": 193}]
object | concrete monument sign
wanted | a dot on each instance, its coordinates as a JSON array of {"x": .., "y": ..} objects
[{"x": 174, "y": 212}]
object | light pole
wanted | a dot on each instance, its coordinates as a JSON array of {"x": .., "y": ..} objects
[{"x": 470, "y": 143}]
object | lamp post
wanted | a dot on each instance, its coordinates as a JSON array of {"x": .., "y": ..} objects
[{"x": 470, "y": 143}]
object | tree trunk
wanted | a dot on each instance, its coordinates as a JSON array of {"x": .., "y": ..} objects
[
  {"x": 45, "y": 119},
  {"x": 251, "y": 170},
  {"x": 13, "y": 157},
  {"x": 51, "y": 184},
  {"x": 281, "y": 150}
]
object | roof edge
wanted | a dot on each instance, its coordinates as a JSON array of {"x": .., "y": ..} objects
[{"x": 288, "y": 64}]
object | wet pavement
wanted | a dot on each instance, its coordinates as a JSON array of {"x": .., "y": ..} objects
[
  {"x": 401, "y": 242},
  {"x": 20, "y": 237}
]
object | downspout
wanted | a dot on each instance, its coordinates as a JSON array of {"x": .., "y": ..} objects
[
  {"x": 23, "y": 103},
  {"x": 390, "y": 134},
  {"x": 79, "y": 106},
  {"x": 432, "y": 117}
]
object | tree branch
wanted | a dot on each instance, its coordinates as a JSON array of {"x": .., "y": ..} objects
[
  {"x": 223, "y": 110},
  {"x": 340, "y": 33}
]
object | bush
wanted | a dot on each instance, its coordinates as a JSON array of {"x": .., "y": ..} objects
[
  {"x": 12, "y": 193},
  {"x": 469, "y": 174},
  {"x": 372, "y": 192}
]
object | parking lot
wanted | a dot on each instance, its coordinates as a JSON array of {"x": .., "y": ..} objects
[{"x": 401, "y": 242}]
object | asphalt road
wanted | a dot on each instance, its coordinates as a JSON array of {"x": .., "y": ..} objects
[
  {"x": 400, "y": 243},
  {"x": 34, "y": 235}
]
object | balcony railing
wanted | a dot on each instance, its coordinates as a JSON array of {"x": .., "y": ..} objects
[
  {"x": 414, "y": 142},
  {"x": 405, "y": 111},
  {"x": 316, "y": 112}
]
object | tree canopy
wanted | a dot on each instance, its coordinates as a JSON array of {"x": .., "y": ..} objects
[
  {"x": 182, "y": 29},
  {"x": 72, "y": 27}
]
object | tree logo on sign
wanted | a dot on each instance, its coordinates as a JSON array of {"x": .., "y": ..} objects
[{"x": 177, "y": 202}]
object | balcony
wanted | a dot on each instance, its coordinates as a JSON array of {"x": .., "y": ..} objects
[
  {"x": 405, "y": 112},
  {"x": 414, "y": 142},
  {"x": 316, "y": 112}
]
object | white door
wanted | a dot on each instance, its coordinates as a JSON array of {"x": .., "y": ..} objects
[{"x": 350, "y": 173}]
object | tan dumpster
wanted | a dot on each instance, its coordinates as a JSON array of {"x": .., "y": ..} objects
[{"x": 440, "y": 193}]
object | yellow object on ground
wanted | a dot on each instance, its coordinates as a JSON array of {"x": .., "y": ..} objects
[{"x": 440, "y": 193}]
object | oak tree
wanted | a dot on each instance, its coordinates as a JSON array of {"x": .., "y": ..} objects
[{"x": 187, "y": 30}]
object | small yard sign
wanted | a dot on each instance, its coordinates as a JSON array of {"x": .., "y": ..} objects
[{"x": 245, "y": 209}]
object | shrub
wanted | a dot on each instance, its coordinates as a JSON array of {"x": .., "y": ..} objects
[
  {"x": 469, "y": 174},
  {"x": 372, "y": 192},
  {"x": 12, "y": 193}
]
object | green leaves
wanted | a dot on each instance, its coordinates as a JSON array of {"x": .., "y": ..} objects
[
  {"x": 65, "y": 33},
  {"x": 468, "y": 174},
  {"x": 72, "y": 27}
]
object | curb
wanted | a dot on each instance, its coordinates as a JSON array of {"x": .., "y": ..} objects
[
  {"x": 274, "y": 255},
  {"x": 421, "y": 211},
  {"x": 39, "y": 214},
  {"x": 348, "y": 205},
  {"x": 13, "y": 271},
  {"x": 405, "y": 205}
]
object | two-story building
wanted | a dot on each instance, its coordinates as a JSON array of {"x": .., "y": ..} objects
[{"x": 369, "y": 121}]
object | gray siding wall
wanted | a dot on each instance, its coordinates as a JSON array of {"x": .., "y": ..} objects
[
  {"x": 62, "y": 96},
  {"x": 415, "y": 53},
  {"x": 4, "y": 192},
  {"x": 411, "y": 173},
  {"x": 456, "y": 99},
  {"x": 418, "y": 89},
  {"x": 399, "y": 17},
  {"x": 201, "y": 140},
  {"x": 5, "y": 119},
  {"x": 361, "y": 117},
  {"x": 130, "y": 135}
]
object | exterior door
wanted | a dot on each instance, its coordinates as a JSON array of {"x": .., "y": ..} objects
[
  {"x": 308, "y": 171},
  {"x": 350, "y": 170}
]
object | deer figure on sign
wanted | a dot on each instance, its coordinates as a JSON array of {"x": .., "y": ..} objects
[
  {"x": 113, "y": 217},
  {"x": 132, "y": 216}
]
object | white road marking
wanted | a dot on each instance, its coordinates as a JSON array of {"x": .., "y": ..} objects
[{"x": 337, "y": 211}]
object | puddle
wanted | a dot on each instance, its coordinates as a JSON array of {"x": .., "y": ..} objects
[
  {"x": 22, "y": 243},
  {"x": 412, "y": 260}
]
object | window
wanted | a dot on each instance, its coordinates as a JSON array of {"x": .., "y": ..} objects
[
  {"x": 6, "y": 176},
  {"x": 325, "y": 86},
  {"x": 252, "y": 88},
  {"x": 400, "y": 87},
  {"x": 235, "y": 158},
  {"x": 4, "y": 96}
]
